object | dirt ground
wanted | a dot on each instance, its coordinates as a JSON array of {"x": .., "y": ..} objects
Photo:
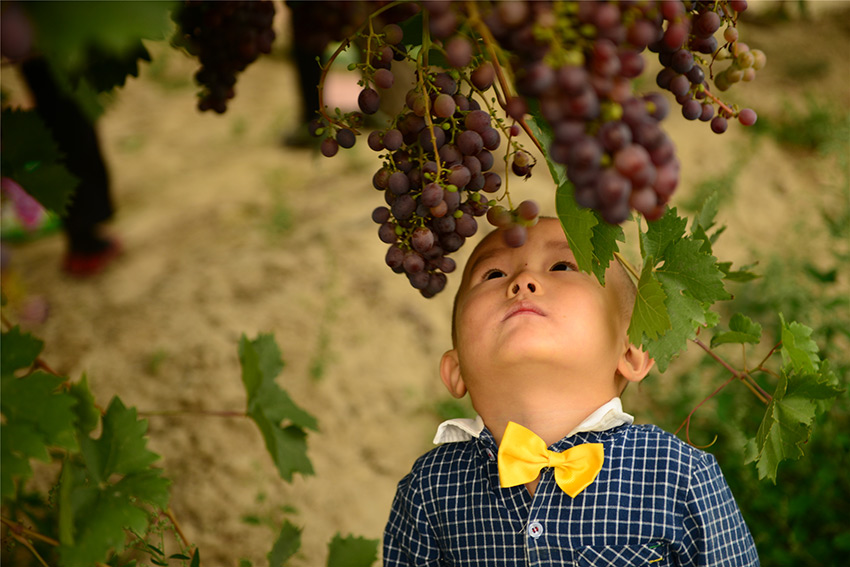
[{"x": 226, "y": 232}]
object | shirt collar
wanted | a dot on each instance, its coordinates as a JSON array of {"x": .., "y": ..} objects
[{"x": 607, "y": 416}]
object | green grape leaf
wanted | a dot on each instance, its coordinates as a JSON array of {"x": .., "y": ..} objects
[
  {"x": 288, "y": 543},
  {"x": 578, "y": 226},
  {"x": 33, "y": 160},
  {"x": 649, "y": 317},
  {"x": 690, "y": 279},
  {"x": 742, "y": 275},
  {"x": 352, "y": 551},
  {"x": 799, "y": 351},
  {"x": 20, "y": 350},
  {"x": 661, "y": 234},
  {"x": 102, "y": 514},
  {"x": 281, "y": 422},
  {"x": 37, "y": 414},
  {"x": 742, "y": 330},
  {"x": 67, "y": 32},
  {"x": 122, "y": 445},
  {"x": 109, "y": 490},
  {"x": 788, "y": 420}
]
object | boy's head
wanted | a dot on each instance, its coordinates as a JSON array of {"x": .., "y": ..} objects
[{"x": 528, "y": 310}]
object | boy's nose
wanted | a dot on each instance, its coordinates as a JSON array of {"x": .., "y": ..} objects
[{"x": 524, "y": 282}]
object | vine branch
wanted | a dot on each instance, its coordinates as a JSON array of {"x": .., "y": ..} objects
[{"x": 744, "y": 377}]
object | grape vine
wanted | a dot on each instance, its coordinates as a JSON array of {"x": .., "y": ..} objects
[{"x": 575, "y": 63}]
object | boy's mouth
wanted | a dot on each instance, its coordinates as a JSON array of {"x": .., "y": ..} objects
[{"x": 523, "y": 308}]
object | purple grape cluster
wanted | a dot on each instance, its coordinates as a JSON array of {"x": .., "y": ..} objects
[
  {"x": 617, "y": 155},
  {"x": 437, "y": 161},
  {"x": 226, "y": 36},
  {"x": 691, "y": 36},
  {"x": 436, "y": 171}
]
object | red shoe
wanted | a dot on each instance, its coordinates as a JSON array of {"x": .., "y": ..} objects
[{"x": 85, "y": 264}]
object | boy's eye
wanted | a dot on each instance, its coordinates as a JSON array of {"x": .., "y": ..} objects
[
  {"x": 562, "y": 267},
  {"x": 493, "y": 274}
]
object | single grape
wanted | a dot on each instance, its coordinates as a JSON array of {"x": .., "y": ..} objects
[
  {"x": 374, "y": 141},
  {"x": 470, "y": 143},
  {"x": 515, "y": 235},
  {"x": 422, "y": 239},
  {"x": 398, "y": 183},
  {"x": 527, "y": 210},
  {"x": 329, "y": 147},
  {"x": 718, "y": 124},
  {"x": 393, "y": 34},
  {"x": 369, "y": 101},
  {"x": 386, "y": 232},
  {"x": 747, "y": 117},
  {"x": 392, "y": 139},
  {"x": 380, "y": 215},
  {"x": 483, "y": 76},
  {"x": 444, "y": 105},
  {"x": 458, "y": 52},
  {"x": 692, "y": 109},
  {"x": 394, "y": 257},
  {"x": 384, "y": 78},
  {"x": 499, "y": 217}
]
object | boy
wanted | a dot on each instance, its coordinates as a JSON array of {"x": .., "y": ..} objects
[{"x": 543, "y": 351}]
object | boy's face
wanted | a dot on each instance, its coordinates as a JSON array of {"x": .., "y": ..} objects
[{"x": 531, "y": 304}]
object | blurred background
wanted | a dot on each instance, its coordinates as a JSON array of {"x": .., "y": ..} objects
[{"x": 225, "y": 229}]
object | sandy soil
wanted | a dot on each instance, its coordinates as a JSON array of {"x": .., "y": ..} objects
[{"x": 227, "y": 232}]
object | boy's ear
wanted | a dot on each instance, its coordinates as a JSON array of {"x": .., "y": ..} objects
[
  {"x": 634, "y": 363},
  {"x": 450, "y": 373}
]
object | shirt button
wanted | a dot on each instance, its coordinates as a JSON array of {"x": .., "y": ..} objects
[{"x": 535, "y": 529}]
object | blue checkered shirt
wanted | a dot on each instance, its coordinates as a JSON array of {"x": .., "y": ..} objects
[{"x": 656, "y": 502}]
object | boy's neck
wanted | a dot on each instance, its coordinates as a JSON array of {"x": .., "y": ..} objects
[{"x": 550, "y": 413}]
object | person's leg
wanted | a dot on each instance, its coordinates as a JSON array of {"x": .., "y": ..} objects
[{"x": 76, "y": 137}]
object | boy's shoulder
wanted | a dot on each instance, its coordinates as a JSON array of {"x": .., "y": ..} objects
[{"x": 652, "y": 444}]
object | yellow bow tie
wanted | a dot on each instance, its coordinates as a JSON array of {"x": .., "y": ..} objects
[{"x": 522, "y": 454}]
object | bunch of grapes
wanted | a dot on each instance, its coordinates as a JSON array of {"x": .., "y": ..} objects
[
  {"x": 437, "y": 160},
  {"x": 609, "y": 137},
  {"x": 226, "y": 36},
  {"x": 576, "y": 63},
  {"x": 691, "y": 37}
]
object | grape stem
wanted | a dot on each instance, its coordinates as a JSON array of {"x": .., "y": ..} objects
[
  {"x": 422, "y": 66},
  {"x": 687, "y": 423},
  {"x": 20, "y": 530},
  {"x": 719, "y": 102},
  {"x": 342, "y": 47},
  {"x": 627, "y": 265},
  {"x": 744, "y": 377},
  {"x": 489, "y": 42},
  {"x": 168, "y": 513}
]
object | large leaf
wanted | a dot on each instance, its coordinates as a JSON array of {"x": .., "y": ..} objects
[
  {"x": 37, "y": 415},
  {"x": 281, "y": 422},
  {"x": 352, "y": 551},
  {"x": 19, "y": 350},
  {"x": 788, "y": 420},
  {"x": 690, "y": 279},
  {"x": 649, "y": 317},
  {"x": 122, "y": 445},
  {"x": 109, "y": 490},
  {"x": 33, "y": 160}
]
